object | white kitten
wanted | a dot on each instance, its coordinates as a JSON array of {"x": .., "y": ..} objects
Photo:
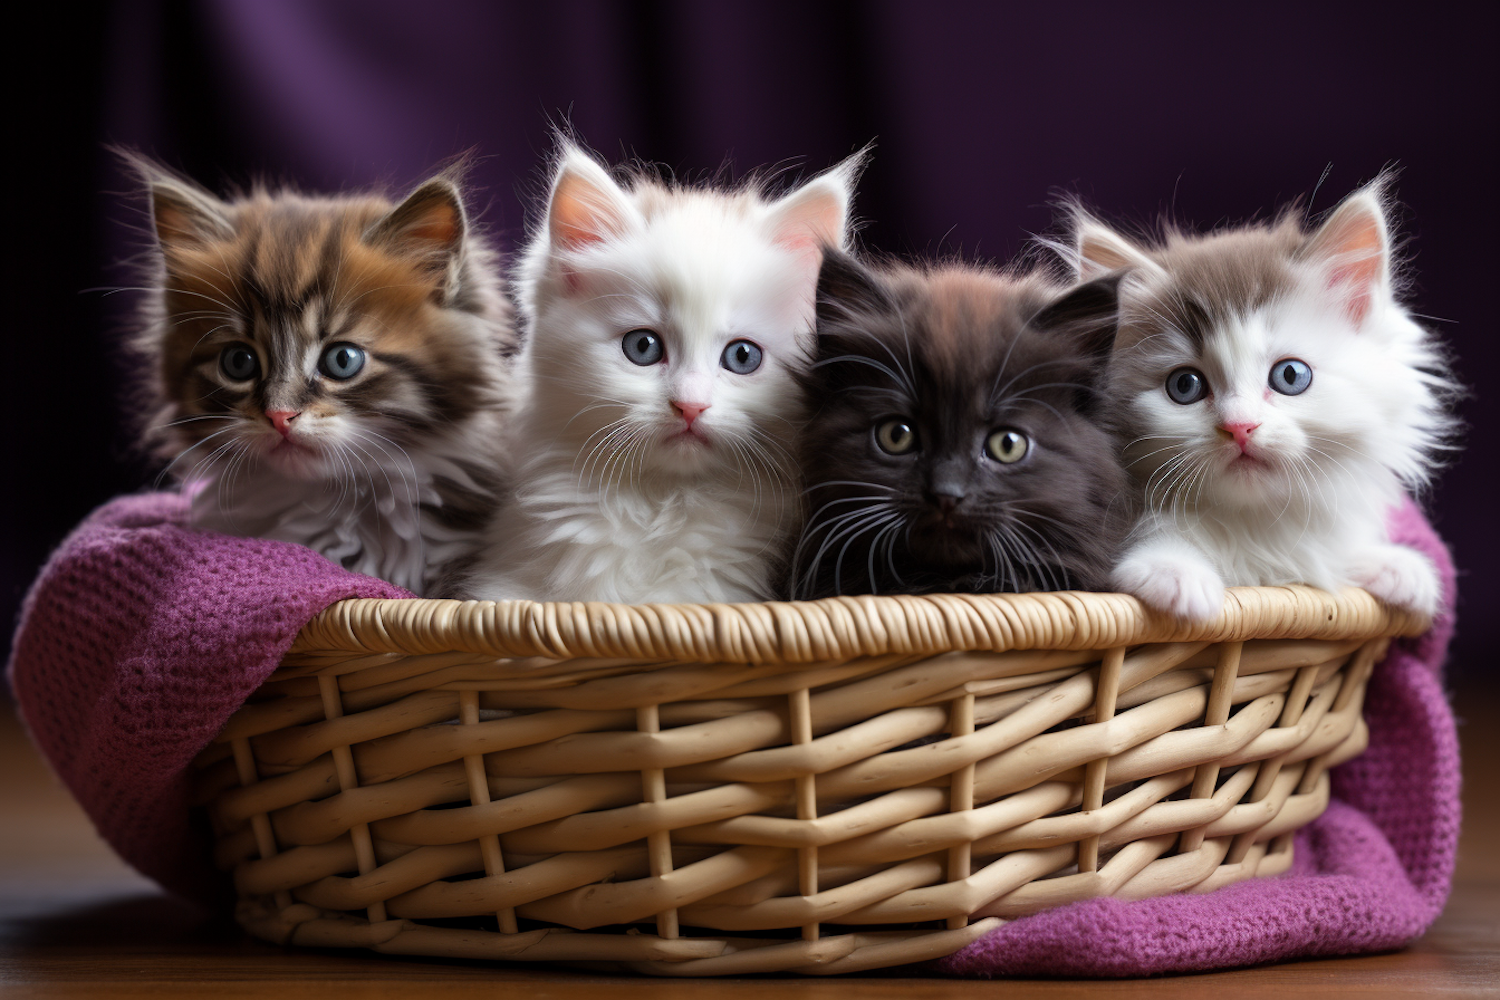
[
  {"x": 664, "y": 323},
  {"x": 1276, "y": 400}
]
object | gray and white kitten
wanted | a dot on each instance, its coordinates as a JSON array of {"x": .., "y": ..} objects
[{"x": 1277, "y": 400}]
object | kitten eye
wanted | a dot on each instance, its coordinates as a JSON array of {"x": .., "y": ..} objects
[
  {"x": 1007, "y": 446},
  {"x": 238, "y": 362},
  {"x": 643, "y": 347},
  {"x": 341, "y": 361},
  {"x": 1291, "y": 376},
  {"x": 896, "y": 437},
  {"x": 1187, "y": 385},
  {"x": 741, "y": 357}
]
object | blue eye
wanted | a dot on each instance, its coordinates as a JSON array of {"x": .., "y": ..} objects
[
  {"x": 1186, "y": 385},
  {"x": 342, "y": 361},
  {"x": 1291, "y": 376},
  {"x": 741, "y": 357},
  {"x": 238, "y": 362},
  {"x": 643, "y": 347}
]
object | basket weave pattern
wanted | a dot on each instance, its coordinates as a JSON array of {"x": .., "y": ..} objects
[{"x": 817, "y": 787}]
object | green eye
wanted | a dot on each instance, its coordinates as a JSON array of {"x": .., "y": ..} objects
[
  {"x": 896, "y": 437},
  {"x": 238, "y": 362},
  {"x": 1007, "y": 446}
]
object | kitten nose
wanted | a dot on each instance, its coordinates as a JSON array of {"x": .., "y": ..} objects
[
  {"x": 282, "y": 420},
  {"x": 947, "y": 497},
  {"x": 690, "y": 411},
  {"x": 1240, "y": 432}
]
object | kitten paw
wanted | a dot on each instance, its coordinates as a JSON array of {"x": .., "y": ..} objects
[
  {"x": 1184, "y": 588},
  {"x": 1401, "y": 577}
]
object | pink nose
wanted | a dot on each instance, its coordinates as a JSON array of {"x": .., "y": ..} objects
[
  {"x": 689, "y": 411},
  {"x": 282, "y": 420},
  {"x": 1240, "y": 432}
]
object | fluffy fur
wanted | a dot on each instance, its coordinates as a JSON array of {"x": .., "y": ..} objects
[
  {"x": 917, "y": 373},
  {"x": 1249, "y": 484},
  {"x": 668, "y": 480},
  {"x": 329, "y": 371}
]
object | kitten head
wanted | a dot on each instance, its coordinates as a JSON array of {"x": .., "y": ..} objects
[
  {"x": 666, "y": 320},
  {"x": 316, "y": 336},
  {"x": 955, "y": 443},
  {"x": 1268, "y": 366}
]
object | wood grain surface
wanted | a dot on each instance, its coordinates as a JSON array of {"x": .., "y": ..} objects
[{"x": 76, "y": 922}]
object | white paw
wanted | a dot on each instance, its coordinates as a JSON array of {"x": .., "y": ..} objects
[
  {"x": 1185, "y": 588},
  {"x": 1399, "y": 576}
]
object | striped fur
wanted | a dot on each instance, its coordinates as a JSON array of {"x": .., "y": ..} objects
[{"x": 388, "y": 472}]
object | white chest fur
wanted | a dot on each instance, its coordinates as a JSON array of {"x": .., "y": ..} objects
[{"x": 633, "y": 543}]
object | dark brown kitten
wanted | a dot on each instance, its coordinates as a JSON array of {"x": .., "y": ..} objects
[
  {"x": 330, "y": 370},
  {"x": 956, "y": 443}
]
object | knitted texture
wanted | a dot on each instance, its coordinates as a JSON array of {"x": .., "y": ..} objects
[
  {"x": 141, "y": 638},
  {"x": 137, "y": 642},
  {"x": 1372, "y": 873}
]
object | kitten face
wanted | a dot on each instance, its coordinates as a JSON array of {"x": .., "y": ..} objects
[
  {"x": 318, "y": 338},
  {"x": 668, "y": 321},
  {"x": 954, "y": 445},
  {"x": 1258, "y": 366}
]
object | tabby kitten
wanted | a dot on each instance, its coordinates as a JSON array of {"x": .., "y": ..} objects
[
  {"x": 956, "y": 444},
  {"x": 665, "y": 323},
  {"x": 1276, "y": 400},
  {"x": 329, "y": 371}
]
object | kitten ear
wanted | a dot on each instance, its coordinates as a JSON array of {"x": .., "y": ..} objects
[
  {"x": 846, "y": 288},
  {"x": 1088, "y": 315},
  {"x": 586, "y": 206},
  {"x": 429, "y": 225},
  {"x": 1354, "y": 248},
  {"x": 817, "y": 213},
  {"x": 1097, "y": 249},
  {"x": 182, "y": 213}
]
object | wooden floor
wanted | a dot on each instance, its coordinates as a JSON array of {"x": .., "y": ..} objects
[{"x": 75, "y": 922}]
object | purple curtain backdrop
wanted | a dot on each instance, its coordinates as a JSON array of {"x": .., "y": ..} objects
[{"x": 982, "y": 114}]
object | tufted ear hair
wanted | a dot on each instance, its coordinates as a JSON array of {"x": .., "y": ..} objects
[
  {"x": 847, "y": 289},
  {"x": 1353, "y": 247},
  {"x": 1087, "y": 315},
  {"x": 429, "y": 225},
  {"x": 817, "y": 213},
  {"x": 586, "y": 205},
  {"x": 182, "y": 213},
  {"x": 1100, "y": 251}
]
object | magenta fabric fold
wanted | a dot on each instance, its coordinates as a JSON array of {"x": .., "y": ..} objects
[
  {"x": 138, "y": 641},
  {"x": 141, "y": 637},
  {"x": 1371, "y": 874}
]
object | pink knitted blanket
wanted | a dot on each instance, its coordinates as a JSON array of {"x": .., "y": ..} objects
[{"x": 140, "y": 638}]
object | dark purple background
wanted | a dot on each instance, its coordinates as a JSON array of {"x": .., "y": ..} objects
[{"x": 1212, "y": 113}]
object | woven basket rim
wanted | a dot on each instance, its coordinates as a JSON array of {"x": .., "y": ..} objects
[{"x": 837, "y": 628}]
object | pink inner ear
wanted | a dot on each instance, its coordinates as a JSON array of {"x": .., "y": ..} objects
[
  {"x": 438, "y": 225},
  {"x": 1359, "y": 251},
  {"x": 1358, "y": 281},
  {"x": 580, "y": 214},
  {"x": 807, "y": 251}
]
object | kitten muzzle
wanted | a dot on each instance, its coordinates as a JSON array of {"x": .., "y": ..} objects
[
  {"x": 282, "y": 421},
  {"x": 1240, "y": 431}
]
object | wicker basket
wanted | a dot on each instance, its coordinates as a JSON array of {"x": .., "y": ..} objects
[{"x": 817, "y": 787}]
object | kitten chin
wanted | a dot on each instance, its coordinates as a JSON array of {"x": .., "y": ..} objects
[
  {"x": 956, "y": 442},
  {"x": 1276, "y": 400},
  {"x": 329, "y": 371},
  {"x": 666, "y": 323}
]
